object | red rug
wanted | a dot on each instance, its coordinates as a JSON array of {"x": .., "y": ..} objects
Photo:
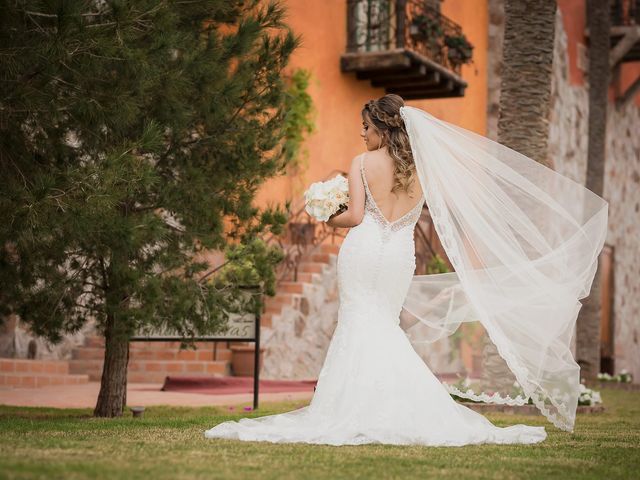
[{"x": 230, "y": 385}]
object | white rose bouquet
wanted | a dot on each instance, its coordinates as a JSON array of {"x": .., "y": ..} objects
[{"x": 325, "y": 199}]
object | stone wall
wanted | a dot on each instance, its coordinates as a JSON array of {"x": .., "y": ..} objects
[
  {"x": 297, "y": 342},
  {"x": 17, "y": 341},
  {"x": 622, "y": 190},
  {"x": 494, "y": 65}
]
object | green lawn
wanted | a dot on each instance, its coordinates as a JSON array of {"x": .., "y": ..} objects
[{"x": 168, "y": 443}]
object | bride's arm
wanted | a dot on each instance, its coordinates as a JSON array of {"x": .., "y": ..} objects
[{"x": 354, "y": 213}]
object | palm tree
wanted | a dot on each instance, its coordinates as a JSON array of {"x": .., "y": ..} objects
[
  {"x": 525, "y": 92},
  {"x": 588, "y": 324}
]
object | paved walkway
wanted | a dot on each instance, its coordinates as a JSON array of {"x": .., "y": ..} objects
[{"x": 138, "y": 394}]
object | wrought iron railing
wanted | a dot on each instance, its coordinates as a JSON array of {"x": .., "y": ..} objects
[
  {"x": 379, "y": 25},
  {"x": 427, "y": 244},
  {"x": 625, "y": 12},
  {"x": 304, "y": 234}
]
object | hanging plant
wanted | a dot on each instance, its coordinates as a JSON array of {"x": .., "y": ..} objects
[
  {"x": 459, "y": 50},
  {"x": 426, "y": 28}
]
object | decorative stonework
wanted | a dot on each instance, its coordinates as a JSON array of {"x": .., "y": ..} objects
[
  {"x": 297, "y": 342},
  {"x": 568, "y": 121},
  {"x": 15, "y": 340},
  {"x": 568, "y": 150},
  {"x": 569, "y": 115},
  {"x": 622, "y": 190}
]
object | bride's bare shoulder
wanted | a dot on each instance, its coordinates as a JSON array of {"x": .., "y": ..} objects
[{"x": 380, "y": 168}]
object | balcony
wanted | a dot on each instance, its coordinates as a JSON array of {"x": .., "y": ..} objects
[
  {"x": 406, "y": 47},
  {"x": 624, "y": 41}
]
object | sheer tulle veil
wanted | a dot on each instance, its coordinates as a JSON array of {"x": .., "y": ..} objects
[{"x": 524, "y": 243}]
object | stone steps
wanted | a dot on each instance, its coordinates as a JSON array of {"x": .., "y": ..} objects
[
  {"x": 291, "y": 287},
  {"x": 37, "y": 373},
  {"x": 20, "y": 365},
  {"x": 330, "y": 248},
  {"x": 311, "y": 267},
  {"x": 153, "y": 371},
  {"x": 152, "y": 361},
  {"x": 290, "y": 292},
  {"x": 97, "y": 353},
  {"x": 310, "y": 305}
]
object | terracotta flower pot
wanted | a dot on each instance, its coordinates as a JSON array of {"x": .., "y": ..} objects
[{"x": 243, "y": 358}]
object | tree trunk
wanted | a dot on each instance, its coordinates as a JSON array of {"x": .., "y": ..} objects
[
  {"x": 525, "y": 91},
  {"x": 525, "y": 94},
  {"x": 112, "y": 398},
  {"x": 113, "y": 385},
  {"x": 588, "y": 325}
]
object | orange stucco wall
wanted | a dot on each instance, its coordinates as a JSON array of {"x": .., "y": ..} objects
[
  {"x": 574, "y": 19},
  {"x": 338, "y": 97}
]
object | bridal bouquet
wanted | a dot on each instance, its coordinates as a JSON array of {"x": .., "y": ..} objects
[{"x": 324, "y": 199}]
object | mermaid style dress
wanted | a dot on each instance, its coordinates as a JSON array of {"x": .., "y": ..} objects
[{"x": 373, "y": 387}]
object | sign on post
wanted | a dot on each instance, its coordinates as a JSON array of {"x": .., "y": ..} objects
[{"x": 241, "y": 327}]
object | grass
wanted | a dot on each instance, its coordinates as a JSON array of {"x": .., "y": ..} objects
[{"x": 168, "y": 443}]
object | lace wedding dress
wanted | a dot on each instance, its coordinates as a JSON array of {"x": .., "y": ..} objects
[{"x": 373, "y": 386}]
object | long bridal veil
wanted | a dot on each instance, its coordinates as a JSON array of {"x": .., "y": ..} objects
[{"x": 524, "y": 243}]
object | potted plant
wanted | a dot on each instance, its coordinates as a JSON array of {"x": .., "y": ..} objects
[
  {"x": 243, "y": 358},
  {"x": 426, "y": 28},
  {"x": 459, "y": 50}
]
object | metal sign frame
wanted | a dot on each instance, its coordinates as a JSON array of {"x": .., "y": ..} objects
[{"x": 217, "y": 338}]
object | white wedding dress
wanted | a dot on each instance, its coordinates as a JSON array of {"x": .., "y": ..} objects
[{"x": 373, "y": 386}]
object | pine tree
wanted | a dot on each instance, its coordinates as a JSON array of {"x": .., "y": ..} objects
[{"x": 133, "y": 136}]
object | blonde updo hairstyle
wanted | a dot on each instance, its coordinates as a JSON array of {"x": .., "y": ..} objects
[{"x": 384, "y": 114}]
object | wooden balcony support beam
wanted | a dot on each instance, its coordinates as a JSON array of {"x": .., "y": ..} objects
[
  {"x": 449, "y": 90},
  {"x": 432, "y": 65},
  {"x": 427, "y": 95},
  {"x": 371, "y": 61},
  {"x": 427, "y": 80},
  {"x": 388, "y": 73},
  {"x": 416, "y": 71},
  {"x": 628, "y": 37},
  {"x": 404, "y": 72},
  {"x": 628, "y": 94}
]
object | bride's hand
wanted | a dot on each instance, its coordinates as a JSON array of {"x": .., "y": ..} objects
[
  {"x": 354, "y": 213},
  {"x": 340, "y": 211}
]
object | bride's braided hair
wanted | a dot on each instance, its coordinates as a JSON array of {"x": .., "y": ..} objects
[{"x": 384, "y": 113}]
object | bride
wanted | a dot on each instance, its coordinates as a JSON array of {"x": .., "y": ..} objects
[{"x": 523, "y": 241}]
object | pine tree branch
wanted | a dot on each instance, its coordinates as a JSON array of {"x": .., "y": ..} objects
[
  {"x": 97, "y": 285},
  {"x": 144, "y": 209},
  {"x": 104, "y": 274},
  {"x": 87, "y": 307},
  {"x": 40, "y": 14}
]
